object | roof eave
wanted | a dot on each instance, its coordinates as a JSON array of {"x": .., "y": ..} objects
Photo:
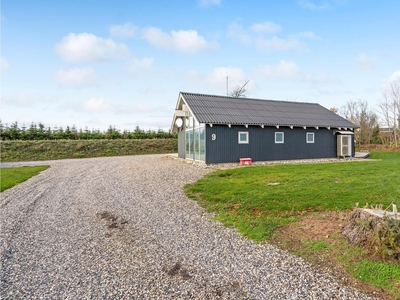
[{"x": 280, "y": 124}]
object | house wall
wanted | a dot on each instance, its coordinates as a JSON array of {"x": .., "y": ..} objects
[
  {"x": 181, "y": 143},
  {"x": 262, "y": 146}
]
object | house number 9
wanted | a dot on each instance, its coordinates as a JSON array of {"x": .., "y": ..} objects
[{"x": 213, "y": 136}]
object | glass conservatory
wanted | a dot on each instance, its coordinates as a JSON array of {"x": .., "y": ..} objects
[{"x": 195, "y": 139}]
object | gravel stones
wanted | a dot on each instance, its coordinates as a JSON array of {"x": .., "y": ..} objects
[
  {"x": 122, "y": 228},
  {"x": 200, "y": 164}
]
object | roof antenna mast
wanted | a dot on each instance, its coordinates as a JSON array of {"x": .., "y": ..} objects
[{"x": 227, "y": 85}]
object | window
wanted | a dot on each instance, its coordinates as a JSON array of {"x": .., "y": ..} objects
[
  {"x": 243, "y": 137},
  {"x": 279, "y": 138},
  {"x": 310, "y": 137}
]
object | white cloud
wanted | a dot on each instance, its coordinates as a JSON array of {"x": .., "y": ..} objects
[
  {"x": 76, "y": 77},
  {"x": 88, "y": 47},
  {"x": 366, "y": 62},
  {"x": 125, "y": 31},
  {"x": 96, "y": 105},
  {"x": 266, "y": 27},
  {"x": 289, "y": 70},
  {"x": 216, "y": 79},
  {"x": 218, "y": 76},
  {"x": 318, "y": 92},
  {"x": 25, "y": 100},
  {"x": 310, "y": 5},
  {"x": 307, "y": 35},
  {"x": 140, "y": 66},
  {"x": 4, "y": 65},
  {"x": 20, "y": 99},
  {"x": 319, "y": 78},
  {"x": 135, "y": 108},
  {"x": 285, "y": 69},
  {"x": 259, "y": 36},
  {"x": 276, "y": 43},
  {"x": 185, "y": 41},
  {"x": 209, "y": 2},
  {"x": 237, "y": 33},
  {"x": 395, "y": 77},
  {"x": 154, "y": 90}
]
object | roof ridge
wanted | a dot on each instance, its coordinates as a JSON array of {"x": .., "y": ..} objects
[
  {"x": 246, "y": 98},
  {"x": 230, "y": 110}
]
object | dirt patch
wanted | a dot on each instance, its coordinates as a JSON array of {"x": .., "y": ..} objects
[
  {"x": 322, "y": 225},
  {"x": 107, "y": 216},
  {"x": 113, "y": 221},
  {"x": 177, "y": 270},
  {"x": 311, "y": 234}
]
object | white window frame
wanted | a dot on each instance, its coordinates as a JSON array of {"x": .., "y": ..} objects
[
  {"x": 283, "y": 138},
  {"x": 247, "y": 137},
  {"x": 313, "y": 137}
]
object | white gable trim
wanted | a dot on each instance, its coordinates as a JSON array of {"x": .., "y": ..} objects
[{"x": 181, "y": 110}]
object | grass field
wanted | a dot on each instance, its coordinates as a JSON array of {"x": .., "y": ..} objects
[
  {"x": 271, "y": 202},
  {"x": 256, "y": 200},
  {"x": 61, "y": 149},
  {"x": 12, "y": 176}
]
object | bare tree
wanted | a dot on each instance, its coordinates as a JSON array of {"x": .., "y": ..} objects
[
  {"x": 390, "y": 108},
  {"x": 360, "y": 114},
  {"x": 240, "y": 90},
  {"x": 334, "y": 110}
]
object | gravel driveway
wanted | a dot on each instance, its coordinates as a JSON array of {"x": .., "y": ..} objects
[{"x": 121, "y": 228}]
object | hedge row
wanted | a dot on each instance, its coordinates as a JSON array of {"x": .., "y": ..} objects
[
  {"x": 61, "y": 149},
  {"x": 35, "y": 132}
]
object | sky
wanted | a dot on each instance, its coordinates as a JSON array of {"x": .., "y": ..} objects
[{"x": 96, "y": 63}]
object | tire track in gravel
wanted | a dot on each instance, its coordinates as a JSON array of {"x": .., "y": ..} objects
[{"x": 22, "y": 209}]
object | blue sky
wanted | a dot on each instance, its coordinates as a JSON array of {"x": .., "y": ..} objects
[{"x": 123, "y": 63}]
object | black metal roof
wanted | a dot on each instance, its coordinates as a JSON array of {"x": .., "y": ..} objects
[{"x": 229, "y": 110}]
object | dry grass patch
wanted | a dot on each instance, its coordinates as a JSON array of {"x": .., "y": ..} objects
[{"x": 317, "y": 237}]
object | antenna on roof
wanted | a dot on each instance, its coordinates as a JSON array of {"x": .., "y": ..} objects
[{"x": 227, "y": 85}]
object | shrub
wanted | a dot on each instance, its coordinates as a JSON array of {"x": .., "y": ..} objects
[{"x": 385, "y": 240}]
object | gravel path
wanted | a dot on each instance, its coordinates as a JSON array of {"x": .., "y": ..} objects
[{"x": 121, "y": 228}]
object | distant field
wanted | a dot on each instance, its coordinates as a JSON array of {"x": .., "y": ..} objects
[{"x": 61, "y": 149}]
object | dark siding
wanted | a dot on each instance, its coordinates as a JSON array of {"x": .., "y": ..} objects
[
  {"x": 262, "y": 145},
  {"x": 181, "y": 144}
]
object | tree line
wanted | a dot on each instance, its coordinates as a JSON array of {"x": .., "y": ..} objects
[
  {"x": 376, "y": 127},
  {"x": 41, "y": 132},
  {"x": 380, "y": 127}
]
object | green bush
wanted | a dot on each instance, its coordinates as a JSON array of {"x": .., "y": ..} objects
[
  {"x": 385, "y": 241},
  {"x": 39, "y": 132},
  {"x": 60, "y": 149}
]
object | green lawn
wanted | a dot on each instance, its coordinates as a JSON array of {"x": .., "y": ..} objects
[
  {"x": 12, "y": 176},
  {"x": 256, "y": 200}
]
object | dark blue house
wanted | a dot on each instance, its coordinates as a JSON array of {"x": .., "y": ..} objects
[{"x": 218, "y": 129}]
